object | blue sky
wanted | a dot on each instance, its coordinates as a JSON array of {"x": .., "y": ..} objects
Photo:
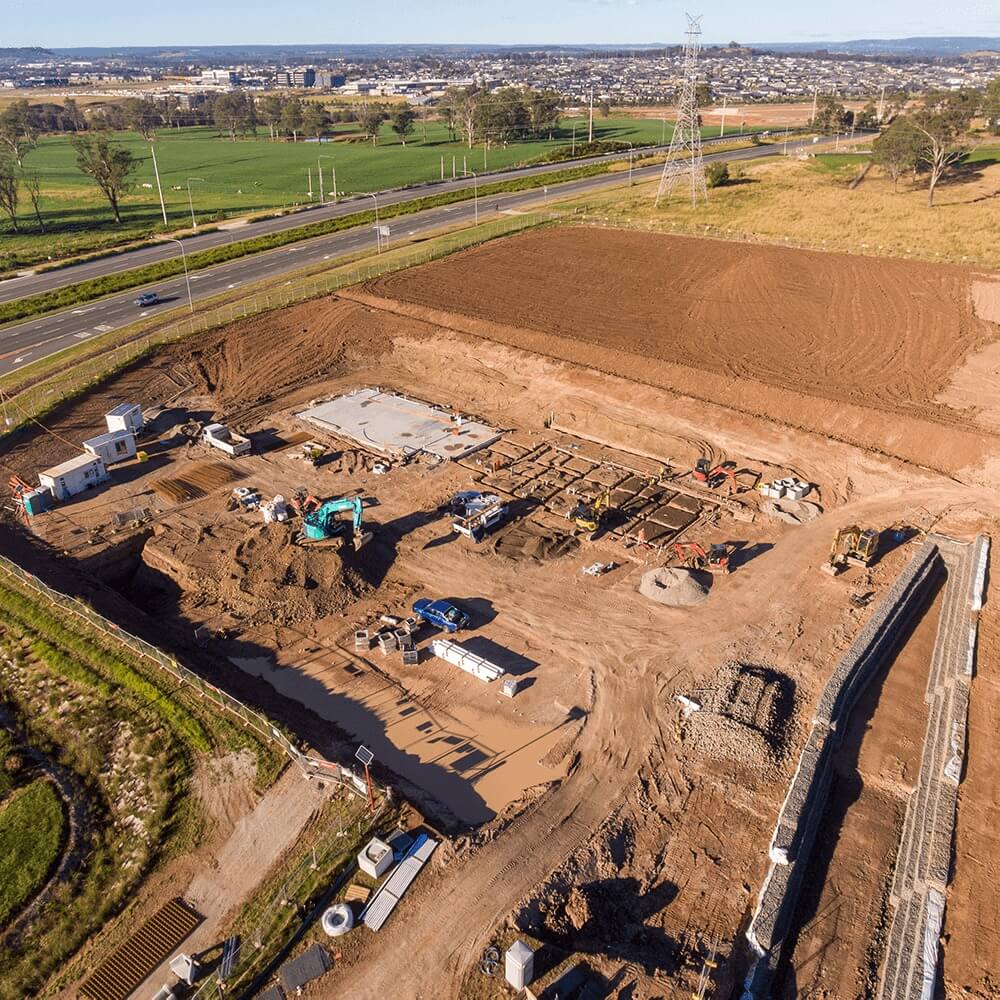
[{"x": 127, "y": 22}]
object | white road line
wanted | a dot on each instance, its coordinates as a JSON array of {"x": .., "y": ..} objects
[
  {"x": 104, "y": 327},
  {"x": 17, "y": 361},
  {"x": 83, "y": 335}
]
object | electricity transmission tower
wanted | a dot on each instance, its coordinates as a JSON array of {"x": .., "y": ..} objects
[{"x": 684, "y": 159}]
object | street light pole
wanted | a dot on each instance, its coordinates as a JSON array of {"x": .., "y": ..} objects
[
  {"x": 194, "y": 222},
  {"x": 319, "y": 166},
  {"x": 475, "y": 193},
  {"x": 631, "y": 147},
  {"x": 187, "y": 277},
  {"x": 378, "y": 231},
  {"x": 156, "y": 171}
]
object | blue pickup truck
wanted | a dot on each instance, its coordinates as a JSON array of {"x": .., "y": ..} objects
[{"x": 441, "y": 613}]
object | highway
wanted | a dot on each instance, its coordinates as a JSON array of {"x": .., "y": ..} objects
[
  {"x": 30, "y": 340},
  {"x": 33, "y": 284}
]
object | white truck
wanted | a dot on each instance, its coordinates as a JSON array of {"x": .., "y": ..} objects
[{"x": 221, "y": 437}]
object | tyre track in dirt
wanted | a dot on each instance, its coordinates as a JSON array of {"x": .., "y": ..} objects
[{"x": 439, "y": 940}]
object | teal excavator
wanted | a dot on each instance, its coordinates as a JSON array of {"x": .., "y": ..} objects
[{"x": 323, "y": 523}]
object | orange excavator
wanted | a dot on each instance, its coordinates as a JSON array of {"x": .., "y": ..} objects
[
  {"x": 694, "y": 556},
  {"x": 303, "y": 502},
  {"x": 740, "y": 480}
]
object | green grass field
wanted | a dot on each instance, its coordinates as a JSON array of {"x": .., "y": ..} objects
[
  {"x": 252, "y": 175},
  {"x": 31, "y": 824}
]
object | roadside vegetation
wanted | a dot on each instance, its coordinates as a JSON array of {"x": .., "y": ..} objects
[
  {"x": 31, "y": 828},
  {"x": 820, "y": 202},
  {"x": 130, "y": 742}
]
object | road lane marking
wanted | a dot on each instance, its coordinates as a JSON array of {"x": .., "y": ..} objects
[
  {"x": 104, "y": 327},
  {"x": 83, "y": 335}
]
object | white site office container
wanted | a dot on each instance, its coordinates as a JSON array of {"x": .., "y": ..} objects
[
  {"x": 125, "y": 417},
  {"x": 73, "y": 477},
  {"x": 115, "y": 446}
]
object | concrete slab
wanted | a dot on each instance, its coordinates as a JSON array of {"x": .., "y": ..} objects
[{"x": 396, "y": 426}]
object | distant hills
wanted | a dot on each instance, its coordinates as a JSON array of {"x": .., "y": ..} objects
[
  {"x": 927, "y": 47},
  {"x": 946, "y": 46}
]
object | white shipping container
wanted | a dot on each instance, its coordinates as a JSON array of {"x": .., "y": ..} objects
[
  {"x": 115, "y": 446},
  {"x": 73, "y": 477}
]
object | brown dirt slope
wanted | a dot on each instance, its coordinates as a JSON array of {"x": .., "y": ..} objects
[{"x": 875, "y": 332}]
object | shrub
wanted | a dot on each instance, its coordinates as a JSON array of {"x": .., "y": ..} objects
[{"x": 717, "y": 174}]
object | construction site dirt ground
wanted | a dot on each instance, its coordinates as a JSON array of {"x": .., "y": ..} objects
[{"x": 586, "y": 812}]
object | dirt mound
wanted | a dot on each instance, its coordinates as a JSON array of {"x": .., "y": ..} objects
[
  {"x": 258, "y": 573},
  {"x": 533, "y": 541},
  {"x": 791, "y": 511},
  {"x": 745, "y": 715},
  {"x": 260, "y": 358},
  {"x": 284, "y": 582},
  {"x": 676, "y": 588}
]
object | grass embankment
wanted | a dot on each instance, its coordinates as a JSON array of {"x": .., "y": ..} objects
[
  {"x": 809, "y": 203},
  {"x": 255, "y": 174},
  {"x": 31, "y": 830},
  {"x": 131, "y": 738}
]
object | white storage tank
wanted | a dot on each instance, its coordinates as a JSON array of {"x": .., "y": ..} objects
[
  {"x": 73, "y": 477},
  {"x": 115, "y": 446},
  {"x": 125, "y": 417}
]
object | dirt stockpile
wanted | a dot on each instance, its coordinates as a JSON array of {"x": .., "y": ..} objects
[
  {"x": 874, "y": 332},
  {"x": 258, "y": 573},
  {"x": 260, "y": 358},
  {"x": 676, "y": 588}
]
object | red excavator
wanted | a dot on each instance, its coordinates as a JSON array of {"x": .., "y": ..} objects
[
  {"x": 740, "y": 480},
  {"x": 694, "y": 556}
]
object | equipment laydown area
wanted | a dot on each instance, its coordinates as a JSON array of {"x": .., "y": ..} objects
[{"x": 545, "y": 528}]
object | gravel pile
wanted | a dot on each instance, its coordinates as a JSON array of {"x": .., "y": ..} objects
[{"x": 676, "y": 588}]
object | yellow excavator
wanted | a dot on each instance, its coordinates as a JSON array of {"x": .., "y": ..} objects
[
  {"x": 588, "y": 517},
  {"x": 852, "y": 546}
]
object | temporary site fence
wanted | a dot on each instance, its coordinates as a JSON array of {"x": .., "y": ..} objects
[
  {"x": 310, "y": 766},
  {"x": 30, "y": 402}
]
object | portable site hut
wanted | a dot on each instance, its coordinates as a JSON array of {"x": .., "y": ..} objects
[
  {"x": 125, "y": 417},
  {"x": 115, "y": 446},
  {"x": 70, "y": 478}
]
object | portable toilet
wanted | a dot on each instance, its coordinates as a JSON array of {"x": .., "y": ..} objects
[
  {"x": 519, "y": 965},
  {"x": 36, "y": 502},
  {"x": 81, "y": 473},
  {"x": 125, "y": 417},
  {"x": 115, "y": 446}
]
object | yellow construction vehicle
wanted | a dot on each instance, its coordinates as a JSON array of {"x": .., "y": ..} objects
[
  {"x": 588, "y": 517},
  {"x": 852, "y": 546}
]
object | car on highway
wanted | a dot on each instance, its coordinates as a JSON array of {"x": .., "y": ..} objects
[
  {"x": 441, "y": 613},
  {"x": 147, "y": 299}
]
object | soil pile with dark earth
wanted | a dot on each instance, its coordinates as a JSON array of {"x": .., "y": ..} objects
[{"x": 533, "y": 541}]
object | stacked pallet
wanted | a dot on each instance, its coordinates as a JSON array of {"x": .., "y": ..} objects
[{"x": 923, "y": 863}]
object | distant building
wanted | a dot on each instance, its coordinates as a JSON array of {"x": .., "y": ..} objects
[
  {"x": 219, "y": 78},
  {"x": 296, "y": 78},
  {"x": 327, "y": 79}
]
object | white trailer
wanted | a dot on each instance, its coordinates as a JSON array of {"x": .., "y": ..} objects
[
  {"x": 73, "y": 477},
  {"x": 221, "y": 437},
  {"x": 125, "y": 417},
  {"x": 115, "y": 446}
]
